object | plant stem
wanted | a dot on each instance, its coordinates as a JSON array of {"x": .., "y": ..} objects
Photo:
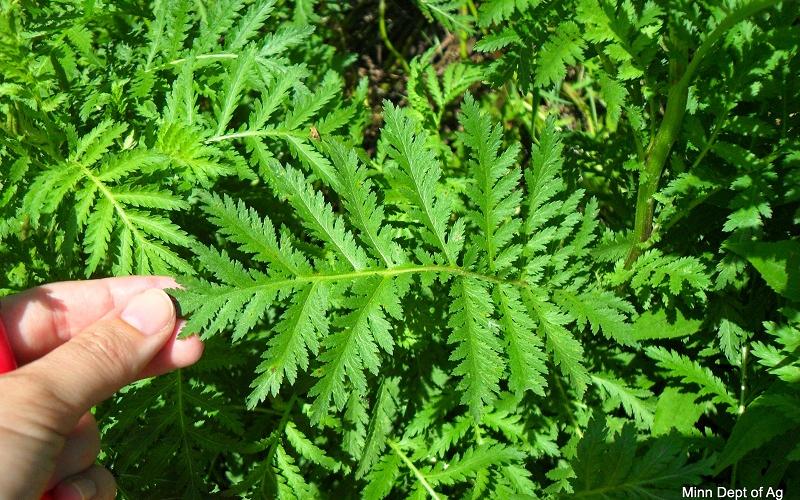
[
  {"x": 657, "y": 153},
  {"x": 534, "y": 113},
  {"x": 266, "y": 411},
  {"x": 463, "y": 36},
  {"x": 367, "y": 273},
  {"x": 385, "y": 36},
  {"x": 681, "y": 76},
  {"x": 417, "y": 473},
  {"x": 743, "y": 378},
  {"x": 565, "y": 400},
  {"x": 742, "y": 395},
  {"x": 278, "y": 432},
  {"x": 472, "y": 9},
  {"x": 573, "y": 96}
]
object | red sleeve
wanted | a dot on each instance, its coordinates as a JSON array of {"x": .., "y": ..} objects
[{"x": 7, "y": 361}]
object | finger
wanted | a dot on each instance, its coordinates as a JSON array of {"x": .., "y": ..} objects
[
  {"x": 95, "y": 483},
  {"x": 39, "y": 320},
  {"x": 176, "y": 353},
  {"x": 104, "y": 357},
  {"x": 80, "y": 450}
]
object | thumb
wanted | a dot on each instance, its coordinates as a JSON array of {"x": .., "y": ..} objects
[{"x": 102, "y": 358}]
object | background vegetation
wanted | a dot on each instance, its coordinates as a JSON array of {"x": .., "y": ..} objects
[{"x": 501, "y": 248}]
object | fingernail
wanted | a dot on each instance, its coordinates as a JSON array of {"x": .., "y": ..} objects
[
  {"x": 149, "y": 312},
  {"x": 84, "y": 487}
]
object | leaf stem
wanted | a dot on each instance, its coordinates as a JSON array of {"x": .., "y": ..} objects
[
  {"x": 389, "y": 272},
  {"x": 576, "y": 99},
  {"x": 472, "y": 9},
  {"x": 565, "y": 400},
  {"x": 277, "y": 433},
  {"x": 219, "y": 56},
  {"x": 417, "y": 473},
  {"x": 463, "y": 36},
  {"x": 255, "y": 133},
  {"x": 385, "y": 36},
  {"x": 742, "y": 396}
]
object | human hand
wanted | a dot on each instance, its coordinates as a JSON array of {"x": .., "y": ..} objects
[{"x": 77, "y": 343}]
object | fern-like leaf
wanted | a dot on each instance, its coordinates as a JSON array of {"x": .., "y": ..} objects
[{"x": 479, "y": 363}]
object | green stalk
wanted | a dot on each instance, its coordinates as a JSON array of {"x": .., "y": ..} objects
[
  {"x": 463, "y": 37},
  {"x": 278, "y": 433},
  {"x": 657, "y": 153},
  {"x": 565, "y": 402},
  {"x": 681, "y": 76},
  {"x": 742, "y": 399},
  {"x": 535, "y": 99},
  {"x": 576, "y": 99},
  {"x": 417, "y": 473},
  {"x": 385, "y": 36},
  {"x": 473, "y": 10}
]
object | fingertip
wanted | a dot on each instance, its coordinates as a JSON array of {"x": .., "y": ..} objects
[
  {"x": 159, "y": 281},
  {"x": 165, "y": 282},
  {"x": 177, "y": 353},
  {"x": 188, "y": 351},
  {"x": 189, "y": 348},
  {"x": 151, "y": 312}
]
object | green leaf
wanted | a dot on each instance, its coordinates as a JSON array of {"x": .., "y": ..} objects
[
  {"x": 318, "y": 216},
  {"x": 676, "y": 410},
  {"x": 651, "y": 325},
  {"x": 567, "y": 352},
  {"x": 354, "y": 348},
  {"x": 614, "y": 95},
  {"x": 603, "y": 311},
  {"x": 778, "y": 263},
  {"x": 362, "y": 204},
  {"x": 692, "y": 372},
  {"x": 633, "y": 401},
  {"x": 526, "y": 360},
  {"x": 234, "y": 85},
  {"x": 564, "y": 48},
  {"x": 249, "y": 24},
  {"x": 307, "y": 449},
  {"x": 760, "y": 422},
  {"x": 382, "y": 478},
  {"x": 479, "y": 364},
  {"x": 380, "y": 426},
  {"x": 299, "y": 332},
  {"x": 615, "y": 466},
  {"x": 472, "y": 462},
  {"x": 252, "y": 234},
  {"x": 416, "y": 173},
  {"x": 495, "y": 191}
]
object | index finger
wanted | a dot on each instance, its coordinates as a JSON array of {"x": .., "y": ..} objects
[{"x": 42, "y": 318}]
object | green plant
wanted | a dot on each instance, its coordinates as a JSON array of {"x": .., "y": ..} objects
[{"x": 563, "y": 263}]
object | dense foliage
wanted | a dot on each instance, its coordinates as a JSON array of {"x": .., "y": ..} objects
[{"x": 504, "y": 249}]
